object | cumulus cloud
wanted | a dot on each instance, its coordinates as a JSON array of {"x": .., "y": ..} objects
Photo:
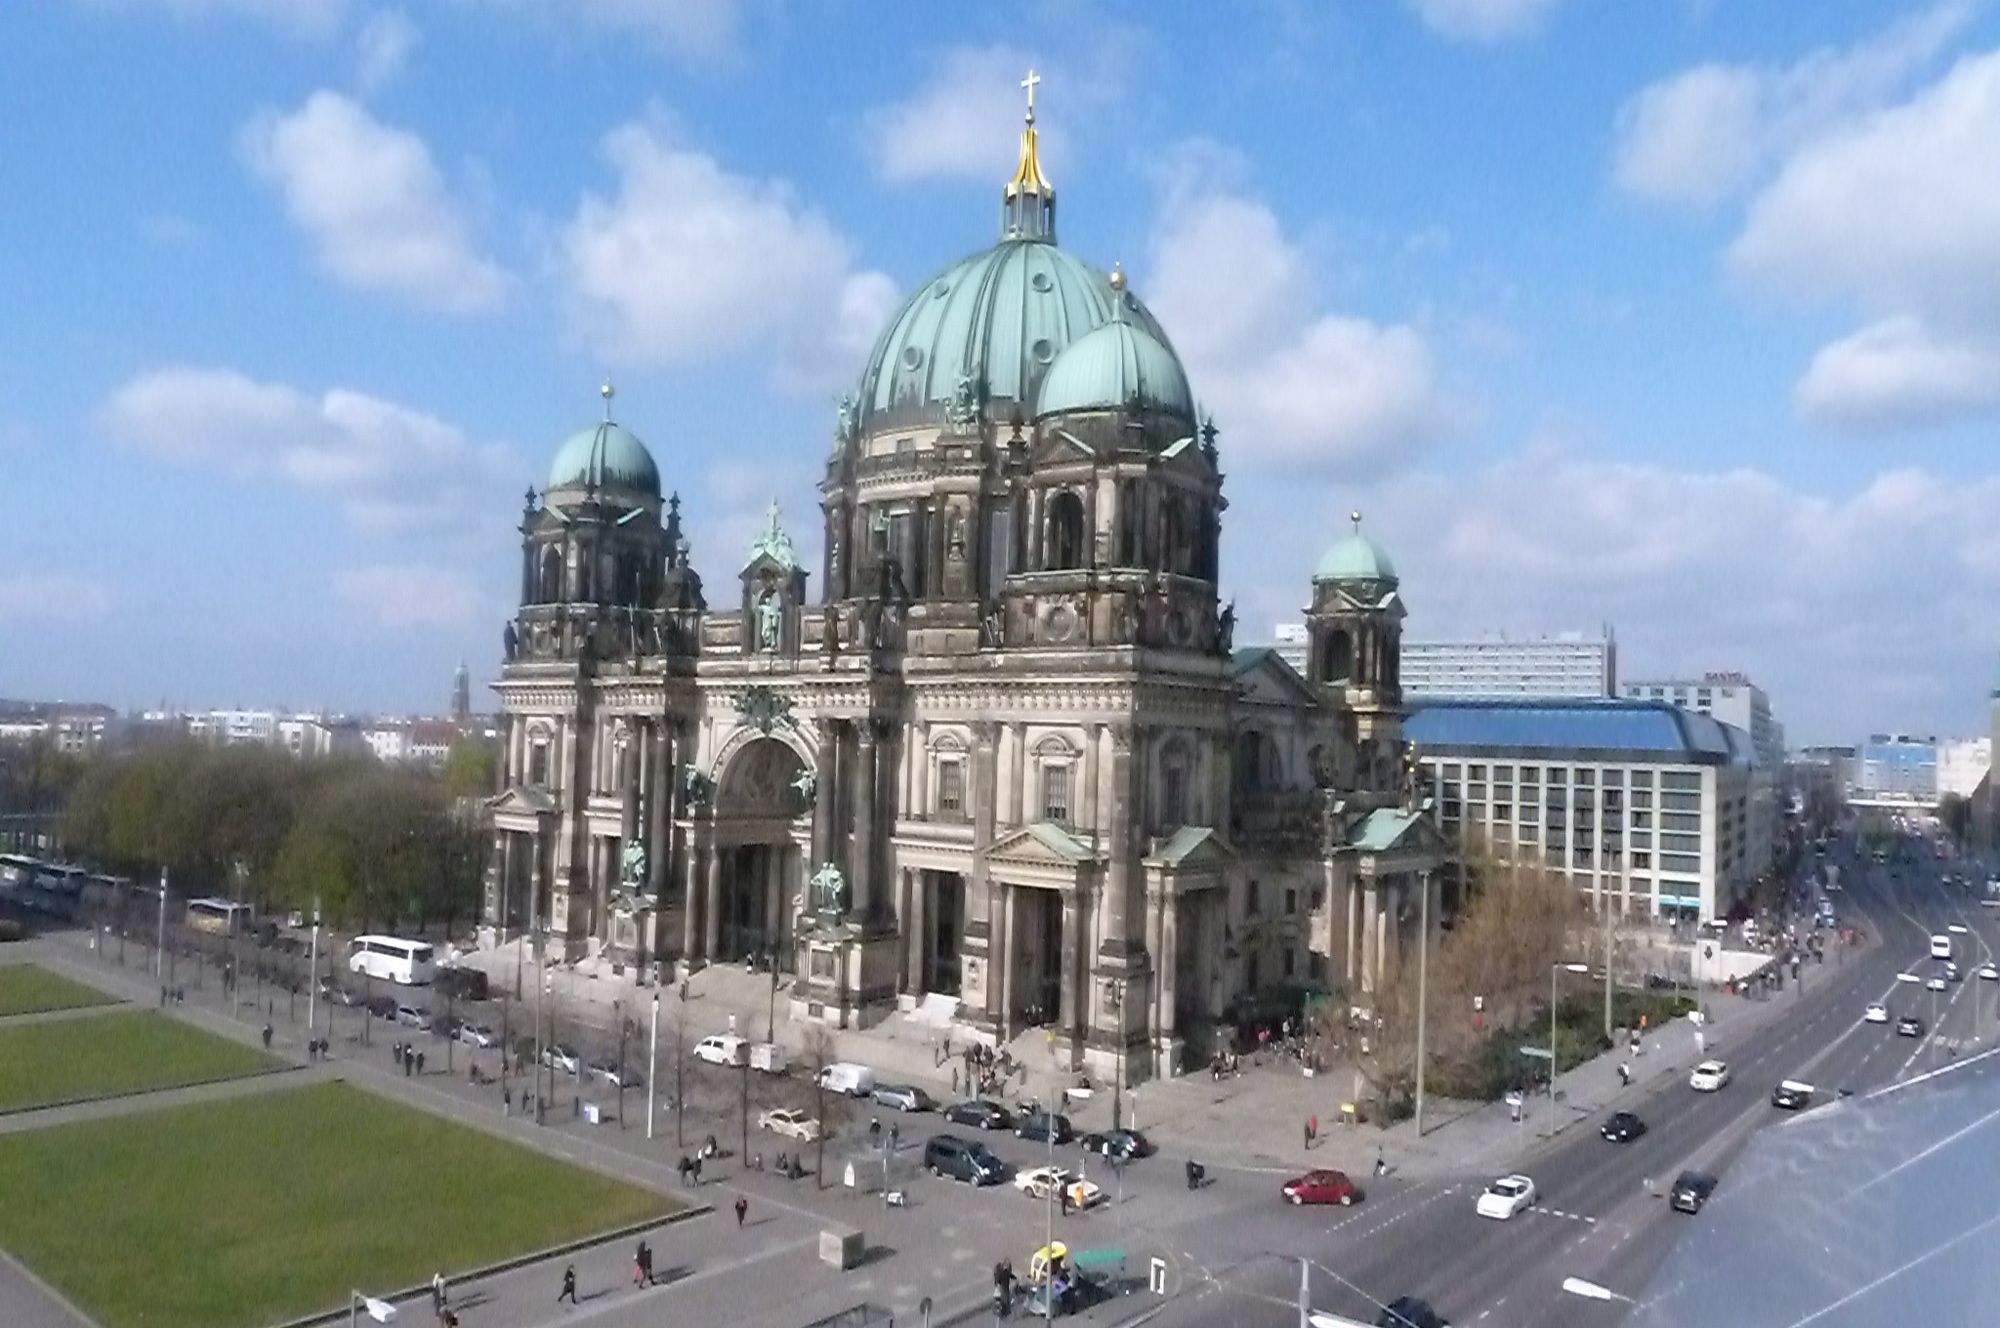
[
  {"x": 383, "y": 47},
  {"x": 1709, "y": 132},
  {"x": 1290, "y": 383},
  {"x": 960, "y": 122},
  {"x": 1897, "y": 374},
  {"x": 373, "y": 203},
  {"x": 389, "y": 466},
  {"x": 31, "y": 597},
  {"x": 1483, "y": 20},
  {"x": 401, "y": 595},
  {"x": 688, "y": 260}
]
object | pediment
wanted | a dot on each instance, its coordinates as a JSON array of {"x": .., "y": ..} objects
[
  {"x": 1263, "y": 678},
  {"x": 522, "y": 801},
  {"x": 1192, "y": 848},
  {"x": 1046, "y": 844}
]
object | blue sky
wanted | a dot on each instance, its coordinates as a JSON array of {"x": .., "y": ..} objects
[{"x": 1680, "y": 316}]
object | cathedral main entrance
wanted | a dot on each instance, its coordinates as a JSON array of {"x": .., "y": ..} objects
[
  {"x": 1037, "y": 947},
  {"x": 754, "y": 902}
]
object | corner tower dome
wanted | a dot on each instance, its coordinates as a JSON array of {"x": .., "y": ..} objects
[
  {"x": 1119, "y": 366},
  {"x": 605, "y": 456},
  {"x": 1355, "y": 558},
  {"x": 998, "y": 318}
]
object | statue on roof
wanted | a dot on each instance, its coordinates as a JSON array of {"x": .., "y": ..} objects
[
  {"x": 962, "y": 411},
  {"x": 845, "y": 422},
  {"x": 772, "y": 542},
  {"x": 769, "y": 612},
  {"x": 828, "y": 892}
]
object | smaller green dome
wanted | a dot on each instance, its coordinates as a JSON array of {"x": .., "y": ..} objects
[
  {"x": 1355, "y": 558},
  {"x": 1113, "y": 366},
  {"x": 605, "y": 456}
]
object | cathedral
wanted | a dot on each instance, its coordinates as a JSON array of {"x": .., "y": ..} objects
[{"x": 1006, "y": 761}]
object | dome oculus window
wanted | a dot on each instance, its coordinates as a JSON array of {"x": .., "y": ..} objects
[
  {"x": 913, "y": 358},
  {"x": 1040, "y": 281},
  {"x": 1043, "y": 350}
]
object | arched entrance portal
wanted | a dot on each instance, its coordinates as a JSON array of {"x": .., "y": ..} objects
[{"x": 760, "y": 803}]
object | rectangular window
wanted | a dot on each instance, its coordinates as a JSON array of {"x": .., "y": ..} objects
[
  {"x": 1557, "y": 777},
  {"x": 1642, "y": 861},
  {"x": 1586, "y": 778},
  {"x": 1251, "y": 899},
  {"x": 1175, "y": 790},
  {"x": 538, "y": 764},
  {"x": 1681, "y": 802},
  {"x": 1642, "y": 779},
  {"x": 1291, "y": 962},
  {"x": 1055, "y": 794},
  {"x": 951, "y": 787},
  {"x": 1531, "y": 834},
  {"x": 1680, "y": 821},
  {"x": 1678, "y": 862},
  {"x": 1291, "y": 902},
  {"x": 1530, "y": 775},
  {"x": 1680, "y": 779},
  {"x": 1680, "y": 843}
]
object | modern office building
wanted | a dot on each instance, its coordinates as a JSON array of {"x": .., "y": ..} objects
[
  {"x": 1898, "y": 767},
  {"x": 1292, "y": 642},
  {"x": 1962, "y": 764},
  {"x": 1740, "y": 703},
  {"x": 1641, "y": 803},
  {"x": 1511, "y": 668}
]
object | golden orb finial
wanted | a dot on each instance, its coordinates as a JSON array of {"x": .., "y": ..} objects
[
  {"x": 1118, "y": 277},
  {"x": 1355, "y": 517},
  {"x": 607, "y": 391}
]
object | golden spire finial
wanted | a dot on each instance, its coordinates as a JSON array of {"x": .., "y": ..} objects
[
  {"x": 1029, "y": 83},
  {"x": 1029, "y": 212},
  {"x": 1117, "y": 276}
]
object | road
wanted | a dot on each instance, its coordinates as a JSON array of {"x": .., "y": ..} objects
[{"x": 1600, "y": 1214}]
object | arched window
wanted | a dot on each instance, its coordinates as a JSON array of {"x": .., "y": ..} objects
[
  {"x": 548, "y": 580},
  {"x": 1065, "y": 531},
  {"x": 1337, "y": 656},
  {"x": 1250, "y": 761}
]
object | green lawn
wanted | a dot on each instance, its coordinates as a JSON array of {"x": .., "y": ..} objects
[
  {"x": 62, "y": 1060},
  {"x": 267, "y": 1207},
  {"x": 26, "y": 989}
]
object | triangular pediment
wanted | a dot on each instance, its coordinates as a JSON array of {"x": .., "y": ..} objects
[
  {"x": 1192, "y": 848},
  {"x": 522, "y": 801},
  {"x": 1046, "y": 844},
  {"x": 1393, "y": 832},
  {"x": 1060, "y": 445},
  {"x": 1262, "y": 677}
]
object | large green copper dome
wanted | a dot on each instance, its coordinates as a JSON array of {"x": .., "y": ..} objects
[
  {"x": 1000, "y": 317},
  {"x": 605, "y": 456},
  {"x": 1355, "y": 557},
  {"x": 1116, "y": 367}
]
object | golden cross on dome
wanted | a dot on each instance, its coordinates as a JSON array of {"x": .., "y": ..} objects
[{"x": 1029, "y": 83}]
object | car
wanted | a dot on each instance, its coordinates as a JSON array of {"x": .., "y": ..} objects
[
  {"x": 1708, "y": 1076},
  {"x": 723, "y": 1049},
  {"x": 962, "y": 1159},
  {"x": 410, "y": 1016},
  {"x": 1124, "y": 1144},
  {"x": 1041, "y": 1125},
  {"x": 1951, "y": 973},
  {"x": 339, "y": 995},
  {"x": 1691, "y": 1191},
  {"x": 1409, "y": 1312},
  {"x": 1792, "y": 1095},
  {"x": 478, "y": 1035},
  {"x": 846, "y": 1077},
  {"x": 1875, "y": 1014},
  {"x": 1078, "y": 1290},
  {"x": 618, "y": 1076},
  {"x": 1041, "y": 1182},
  {"x": 1622, "y": 1127},
  {"x": 558, "y": 1056},
  {"x": 1321, "y": 1187},
  {"x": 903, "y": 1097},
  {"x": 980, "y": 1114},
  {"x": 1989, "y": 973},
  {"x": 1934, "y": 984},
  {"x": 1909, "y": 1026},
  {"x": 790, "y": 1122},
  {"x": 1506, "y": 1197}
]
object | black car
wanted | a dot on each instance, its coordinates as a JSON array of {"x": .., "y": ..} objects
[
  {"x": 1622, "y": 1128},
  {"x": 979, "y": 1113},
  {"x": 465, "y": 984},
  {"x": 1126, "y": 1144},
  {"x": 1792, "y": 1095},
  {"x": 1909, "y": 1026},
  {"x": 1409, "y": 1312},
  {"x": 1039, "y": 1125},
  {"x": 1691, "y": 1191}
]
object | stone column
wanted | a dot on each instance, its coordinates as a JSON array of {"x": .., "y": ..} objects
[
  {"x": 628, "y": 818},
  {"x": 659, "y": 799},
  {"x": 774, "y": 893},
  {"x": 1088, "y": 800},
  {"x": 916, "y": 935},
  {"x": 712, "y": 931},
  {"x": 827, "y": 734},
  {"x": 1371, "y": 909},
  {"x": 1168, "y": 962},
  {"x": 538, "y": 882},
  {"x": 1071, "y": 1000},
  {"x": 1009, "y": 960},
  {"x": 1118, "y": 845},
  {"x": 1350, "y": 941},
  {"x": 867, "y": 897},
  {"x": 505, "y": 920},
  {"x": 981, "y": 945},
  {"x": 691, "y": 934},
  {"x": 1017, "y": 775}
]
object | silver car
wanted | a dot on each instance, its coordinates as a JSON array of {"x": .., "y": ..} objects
[
  {"x": 411, "y": 1016},
  {"x": 478, "y": 1035}
]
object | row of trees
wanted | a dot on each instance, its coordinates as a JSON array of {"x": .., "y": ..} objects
[{"x": 375, "y": 846}]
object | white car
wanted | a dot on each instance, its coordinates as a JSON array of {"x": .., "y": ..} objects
[
  {"x": 1934, "y": 984},
  {"x": 791, "y": 1122},
  {"x": 1875, "y": 1014},
  {"x": 722, "y": 1049},
  {"x": 1708, "y": 1076},
  {"x": 1039, "y": 1182},
  {"x": 1506, "y": 1197},
  {"x": 1989, "y": 973}
]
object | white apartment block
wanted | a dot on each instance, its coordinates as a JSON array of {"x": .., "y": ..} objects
[
  {"x": 1741, "y": 704},
  {"x": 1643, "y": 805},
  {"x": 1962, "y": 763},
  {"x": 1508, "y": 668}
]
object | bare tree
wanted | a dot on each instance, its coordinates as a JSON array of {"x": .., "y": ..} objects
[
  {"x": 677, "y": 1037},
  {"x": 830, "y": 1109}
]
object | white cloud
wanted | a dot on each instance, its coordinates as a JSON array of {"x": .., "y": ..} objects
[
  {"x": 1289, "y": 384},
  {"x": 383, "y": 47},
  {"x": 688, "y": 260},
  {"x": 1897, "y": 374},
  {"x": 962, "y": 122},
  {"x": 1709, "y": 132},
  {"x": 389, "y": 466},
  {"x": 1483, "y": 20},
  {"x": 373, "y": 203},
  {"x": 31, "y": 597},
  {"x": 401, "y": 595}
]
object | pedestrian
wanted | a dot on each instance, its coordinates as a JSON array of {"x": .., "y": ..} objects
[
  {"x": 1381, "y": 1162},
  {"x": 267, "y": 1037},
  {"x": 506, "y": 1099},
  {"x": 642, "y": 1271},
  {"x": 742, "y": 1209},
  {"x": 163, "y": 996},
  {"x": 895, "y": 1134},
  {"x": 695, "y": 1165},
  {"x": 1625, "y": 1074},
  {"x": 420, "y": 1062},
  {"x": 681, "y": 1168},
  {"x": 954, "y": 1081},
  {"x": 440, "y": 1300},
  {"x": 568, "y": 1291}
]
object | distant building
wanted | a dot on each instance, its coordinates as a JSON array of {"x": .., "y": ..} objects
[
  {"x": 389, "y": 741},
  {"x": 1896, "y": 766},
  {"x": 1962, "y": 765},
  {"x": 429, "y": 741},
  {"x": 1568, "y": 664},
  {"x": 461, "y": 693},
  {"x": 1735, "y": 700},
  {"x": 228, "y": 727},
  {"x": 75, "y": 727},
  {"x": 1293, "y": 643},
  {"x": 1839, "y": 765},
  {"x": 1641, "y": 803}
]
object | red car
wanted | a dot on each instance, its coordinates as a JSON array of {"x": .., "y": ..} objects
[{"x": 1321, "y": 1187}]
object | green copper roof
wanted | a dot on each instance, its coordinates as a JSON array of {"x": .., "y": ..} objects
[
  {"x": 1114, "y": 367},
  {"x": 999, "y": 318},
  {"x": 605, "y": 456},
  {"x": 1383, "y": 829},
  {"x": 1355, "y": 558}
]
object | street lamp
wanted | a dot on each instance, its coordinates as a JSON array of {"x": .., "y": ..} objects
[
  {"x": 1423, "y": 986},
  {"x": 1576, "y": 1286},
  {"x": 381, "y": 1311},
  {"x": 1556, "y": 970}
]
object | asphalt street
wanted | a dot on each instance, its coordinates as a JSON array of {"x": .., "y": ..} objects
[{"x": 1601, "y": 1214}]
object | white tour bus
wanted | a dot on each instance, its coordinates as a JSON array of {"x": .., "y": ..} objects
[
  {"x": 219, "y": 917},
  {"x": 17, "y": 873},
  {"x": 392, "y": 959}
]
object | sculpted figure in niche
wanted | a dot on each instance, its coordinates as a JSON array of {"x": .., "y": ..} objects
[{"x": 768, "y": 613}]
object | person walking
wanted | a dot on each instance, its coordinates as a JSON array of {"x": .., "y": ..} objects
[
  {"x": 420, "y": 1062},
  {"x": 440, "y": 1299},
  {"x": 642, "y": 1266},
  {"x": 568, "y": 1291},
  {"x": 742, "y": 1210},
  {"x": 267, "y": 1037}
]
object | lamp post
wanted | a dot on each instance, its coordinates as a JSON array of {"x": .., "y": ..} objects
[
  {"x": 1424, "y": 987},
  {"x": 1556, "y": 970},
  {"x": 653, "y": 1060}
]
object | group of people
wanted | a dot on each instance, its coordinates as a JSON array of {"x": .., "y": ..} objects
[
  {"x": 984, "y": 1069},
  {"x": 407, "y": 1056}
]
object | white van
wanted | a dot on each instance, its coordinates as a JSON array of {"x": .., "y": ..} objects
[
  {"x": 849, "y": 1078},
  {"x": 1940, "y": 947},
  {"x": 769, "y": 1057},
  {"x": 723, "y": 1049}
]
